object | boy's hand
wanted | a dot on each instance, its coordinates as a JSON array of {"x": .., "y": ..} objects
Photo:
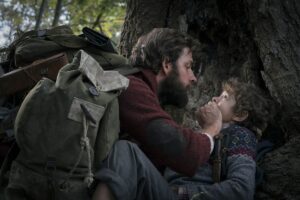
[{"x": 209, "y": 118}]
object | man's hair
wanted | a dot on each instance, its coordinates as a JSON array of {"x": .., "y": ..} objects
[
  {"x": 250, "y": 99},
  {"x": 136, "y": 59},
  {"x": 159, "y": 44}
]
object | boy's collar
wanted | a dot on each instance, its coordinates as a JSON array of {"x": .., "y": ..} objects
[{"x": 226, "y": 125}]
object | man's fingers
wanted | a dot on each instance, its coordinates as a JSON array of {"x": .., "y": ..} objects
[{"x": 210, "y": 107}]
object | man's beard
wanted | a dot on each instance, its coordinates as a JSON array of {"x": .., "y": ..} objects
[{"x": 172, "y": 92}]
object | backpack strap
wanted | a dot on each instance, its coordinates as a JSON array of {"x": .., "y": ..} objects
[
  {"x": 217, "y": 157},
  {"x": 220, "y": 154}
]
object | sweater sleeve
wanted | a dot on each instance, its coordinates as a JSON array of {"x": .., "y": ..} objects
[
  {"x": 240, "y": 176},
  {"x": 164, "y": 142}
]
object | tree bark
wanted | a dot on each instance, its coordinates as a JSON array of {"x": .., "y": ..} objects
[
  {"x": 257, "y": 41},
  {"x": 144, "y": 15},
  {"x": 57, "y": 12},
  {"x": 41, "y": 12},
  {"x": 276, "y": 32}
]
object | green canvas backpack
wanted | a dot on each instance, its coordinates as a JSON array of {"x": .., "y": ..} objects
[
  {"x": 65, "y": 129},
  {"x": 33, "y": 45}
]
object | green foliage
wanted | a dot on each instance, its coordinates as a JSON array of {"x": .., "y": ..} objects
[{"x": 106, "y": 16}]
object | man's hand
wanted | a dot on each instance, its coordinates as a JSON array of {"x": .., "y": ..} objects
[{"x": 209, "y": 118}]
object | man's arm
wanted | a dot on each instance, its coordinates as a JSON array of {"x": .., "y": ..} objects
[{"x": 164, "y": 141}]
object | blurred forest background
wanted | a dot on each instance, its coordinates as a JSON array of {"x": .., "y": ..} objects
[{"x": 106, "y": 16}]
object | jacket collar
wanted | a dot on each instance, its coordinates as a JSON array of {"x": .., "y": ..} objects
[{"x": 150, "y": 78}]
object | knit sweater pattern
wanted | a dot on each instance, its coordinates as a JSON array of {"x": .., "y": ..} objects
[{"x": 239, "y": 182}]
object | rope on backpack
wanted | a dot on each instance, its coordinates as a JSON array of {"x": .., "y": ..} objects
[{"x": 84, "y": 145}]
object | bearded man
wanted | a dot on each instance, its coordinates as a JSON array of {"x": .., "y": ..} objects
[{"x": 164, "y": 57}]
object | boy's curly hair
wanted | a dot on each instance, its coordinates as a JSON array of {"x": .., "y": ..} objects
[{"x": 250, "y": 99}]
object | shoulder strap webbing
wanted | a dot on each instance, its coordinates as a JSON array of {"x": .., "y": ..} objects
[{"x": 220, "y": 156}]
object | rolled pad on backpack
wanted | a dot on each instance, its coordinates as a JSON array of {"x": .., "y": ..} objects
[
  {"x": 26, "y": 77},
  {"x": 34, "y": 45}
]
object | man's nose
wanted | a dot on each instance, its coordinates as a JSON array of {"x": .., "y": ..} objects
[{"x": 193, "y": 78}]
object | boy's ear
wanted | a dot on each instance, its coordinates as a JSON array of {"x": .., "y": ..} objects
[
  {"x": 166, "y": 66},
  {"x": 242, "y": 116}
]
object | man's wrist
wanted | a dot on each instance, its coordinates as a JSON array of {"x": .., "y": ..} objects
[
  {"x": 212, "y": 143},
  {"x": 212, "y": 131}
]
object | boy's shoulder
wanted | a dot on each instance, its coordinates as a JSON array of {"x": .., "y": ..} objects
[
  {"x": 238, "y": 131},
  {"x": 240, "y": 140}
]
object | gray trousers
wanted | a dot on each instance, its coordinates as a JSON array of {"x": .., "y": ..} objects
[{"x": 130, "y": 175}]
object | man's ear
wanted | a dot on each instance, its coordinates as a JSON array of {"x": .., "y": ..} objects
[
  {"x": 166, "y": 66},
  {"x": 242, "y": 116}
]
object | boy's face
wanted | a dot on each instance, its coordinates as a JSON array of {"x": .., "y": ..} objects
[{"x": 226, "y": 103}]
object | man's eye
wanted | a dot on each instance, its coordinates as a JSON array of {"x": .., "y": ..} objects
[{"x": 188, "y": 66}]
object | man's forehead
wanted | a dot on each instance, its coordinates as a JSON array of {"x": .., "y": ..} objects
[{"x": 187, "y": 52}]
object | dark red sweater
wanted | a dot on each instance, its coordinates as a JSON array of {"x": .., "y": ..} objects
[{"x": 139, "y": 106}]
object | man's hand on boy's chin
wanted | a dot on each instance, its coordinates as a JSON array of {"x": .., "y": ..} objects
[{"x": 209, "y": 118}]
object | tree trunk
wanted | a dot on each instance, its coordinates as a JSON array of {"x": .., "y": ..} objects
[
  {"x": 276, "y": 32},
  {"x": 144, "y": 15},
  {"x": 41, "y": 12},
  {"x": 255, "y": 40},
  {"x": 57, "y": 12}
]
